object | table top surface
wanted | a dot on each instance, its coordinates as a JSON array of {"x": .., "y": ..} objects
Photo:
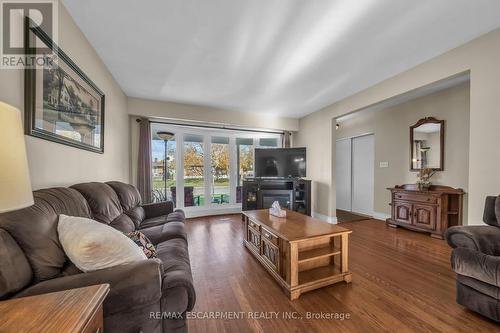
[
  {"x": 295, "y": 226},
  {"x": 63, "y": 311}
]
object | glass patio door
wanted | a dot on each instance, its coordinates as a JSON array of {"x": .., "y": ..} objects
[
  {"x": 203, "y": 168},
  {"x": 220, "y": 165},
  {"x": 194, "y": 170}
]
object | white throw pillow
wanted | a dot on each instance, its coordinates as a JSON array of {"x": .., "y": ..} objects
[{"x": 91, "y": 245}]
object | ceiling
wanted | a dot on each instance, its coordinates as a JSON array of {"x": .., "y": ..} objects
[{"x": 279, "y": 57}]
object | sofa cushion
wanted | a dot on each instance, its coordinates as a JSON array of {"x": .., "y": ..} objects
[
  {"x": 35, "y": 228},
  {"x": 130, "y": 200},
  {"x": 15, "y": 271},
  {"x": 153, "y": 222},
  {"x": 92, "y": 245},
  {"x": 128, "y": 194},
  {"x": 177, "y": 216},
  {"x": 137, "y": 215},
  {"x": 123, "y": 223},
  {"x": 105, "y": 205},
  {"x": 497, "y": 211},
  {"x": 164, "y": 232}
]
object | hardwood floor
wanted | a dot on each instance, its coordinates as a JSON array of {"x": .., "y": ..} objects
[
  {"x": 345, "y": 216},
  {"x": 402, "y": 282}
]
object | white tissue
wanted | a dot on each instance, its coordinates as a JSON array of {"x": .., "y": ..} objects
[{"x": 276, "y": 210}]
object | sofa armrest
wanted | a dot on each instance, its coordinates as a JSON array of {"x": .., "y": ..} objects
[
  {"x": 131, "y": 286},
  {"x": 476, "y": 265},
  {"x": 485, "y": 239},
  {"x": 180, "y": 279},
  {"x": 158, "y": 209}
]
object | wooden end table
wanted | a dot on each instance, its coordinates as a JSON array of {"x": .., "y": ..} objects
[{"x": 74, "y": 310}]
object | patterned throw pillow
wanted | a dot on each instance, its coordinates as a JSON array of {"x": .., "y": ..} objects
[{"x": 144, "y": 243}]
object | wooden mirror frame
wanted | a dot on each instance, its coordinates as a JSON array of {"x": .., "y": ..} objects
[{"x": 428, "y": 120}]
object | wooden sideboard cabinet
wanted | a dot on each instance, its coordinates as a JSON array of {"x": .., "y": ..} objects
[{"x": 433, "y": 210}]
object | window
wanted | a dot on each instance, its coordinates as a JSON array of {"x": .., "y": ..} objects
[
  {"x": 199, "y": 167},
  {"x": 268, "y": 142},
  {"x": 220, "y": 170},
  {"x": 245, "y": 159},
  {"x": 194, "y": 175},
  {"x": 164, "y": 166}
]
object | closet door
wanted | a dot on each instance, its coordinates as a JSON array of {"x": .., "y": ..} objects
[
  {"x": 343, "y": 174},
  {"x": 362, "y": 174}
]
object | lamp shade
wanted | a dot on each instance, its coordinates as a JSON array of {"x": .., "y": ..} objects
[{"x": 15, "y": 184}]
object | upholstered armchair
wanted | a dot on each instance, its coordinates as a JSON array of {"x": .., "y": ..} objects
[{"x": 476, "y": 260}]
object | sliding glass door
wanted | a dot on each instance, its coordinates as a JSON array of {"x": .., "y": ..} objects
[
  {"x": 219, "y": 155},
  {"x": 194, "y": 170},
  {"x": 203, "y": 168}
]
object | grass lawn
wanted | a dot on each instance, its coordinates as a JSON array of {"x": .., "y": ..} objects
[{"x": 158, "y": 183}]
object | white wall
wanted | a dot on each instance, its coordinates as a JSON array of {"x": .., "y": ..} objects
[
  {"x": 481, "y": 57},
  {"x": 53, "y": 164}
]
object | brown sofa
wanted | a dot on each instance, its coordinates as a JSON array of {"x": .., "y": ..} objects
[
  {"x": 142, "y": 295},
  {"x": 476, "y": 260}
]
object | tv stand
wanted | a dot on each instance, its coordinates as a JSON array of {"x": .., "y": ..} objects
[{"x": 291, "y": 193}]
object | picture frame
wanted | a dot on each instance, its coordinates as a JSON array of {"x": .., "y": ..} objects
[{"x": 62, "y": 104}]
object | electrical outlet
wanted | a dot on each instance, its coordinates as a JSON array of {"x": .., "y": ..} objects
[{"x": 384, "y": 164}]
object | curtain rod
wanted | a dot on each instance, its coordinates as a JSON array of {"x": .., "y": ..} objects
[{"x": 223, "y": 127}]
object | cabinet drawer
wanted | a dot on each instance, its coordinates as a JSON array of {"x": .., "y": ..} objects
[
  {"x": 253, "y": 237},
  {"x": 415, "y": 197},
  {"x": 269, "y": 236},
  {"x": 270, "y": 253},
  {"x": 253, "y": 225}
]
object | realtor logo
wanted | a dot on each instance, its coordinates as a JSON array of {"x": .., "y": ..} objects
[{"x": 13, "y": 13}]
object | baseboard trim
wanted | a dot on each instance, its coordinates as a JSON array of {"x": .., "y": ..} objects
[
  {"x": 380, "y": 216},
  {"x": 329, "y": 219},
  {"x": 192, "y": 212}
]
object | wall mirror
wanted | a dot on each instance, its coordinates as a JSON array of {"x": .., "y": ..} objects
[{"x": 427, "y": 144}]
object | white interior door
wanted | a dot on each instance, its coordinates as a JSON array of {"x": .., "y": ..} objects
[
  {"x": 343, "y": 174},
  {"x": 362, "y": 174}
]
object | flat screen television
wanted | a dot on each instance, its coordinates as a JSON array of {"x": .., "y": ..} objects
[{"x": 280, "y": 162}]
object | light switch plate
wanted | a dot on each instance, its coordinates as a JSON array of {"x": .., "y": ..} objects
[{"x": 384, "y": 164}]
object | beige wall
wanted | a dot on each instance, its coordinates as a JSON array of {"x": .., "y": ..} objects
[
  {"x": 175, "y": 111},
  {"x": 53, "y": 164},
  {"x": 391, "y": 132},
  {"x": 151, "y": 109},
  {"x": 482, "y": 58}
]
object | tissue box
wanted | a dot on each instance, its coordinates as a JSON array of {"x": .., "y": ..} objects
[{"x": 280, "y": 213}]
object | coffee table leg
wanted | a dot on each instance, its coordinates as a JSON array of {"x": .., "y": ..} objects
[
  {"x": 294, "y": 265},
  {"x": 294, "y": 270},
  {"x": 294, "y": 295},
  {"x": 345, "y": 257}
]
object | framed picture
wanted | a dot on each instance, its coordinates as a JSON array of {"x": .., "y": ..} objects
[{"x": 61, "y": 103}]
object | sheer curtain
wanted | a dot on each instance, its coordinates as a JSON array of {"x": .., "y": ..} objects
[{"x": 144, "y": 179}]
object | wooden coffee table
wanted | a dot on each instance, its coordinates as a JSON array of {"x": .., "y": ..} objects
[{"x": 300, "y": 252}]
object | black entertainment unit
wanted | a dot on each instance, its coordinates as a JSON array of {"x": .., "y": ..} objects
[{"x": 291, "y": 193}]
